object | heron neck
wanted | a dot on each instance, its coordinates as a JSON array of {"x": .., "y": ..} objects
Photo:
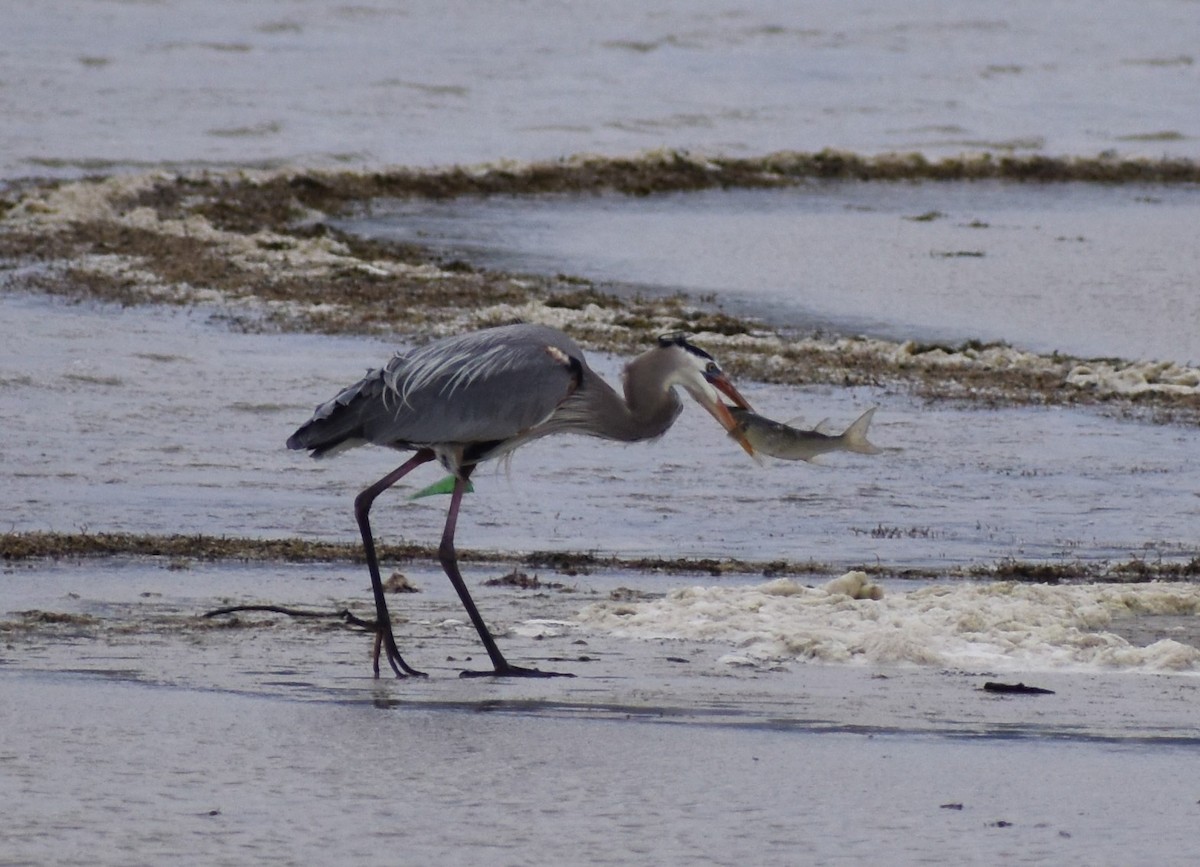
[
  {"x": 632, "y": 420},
  {"x": 647, "y": 410}
]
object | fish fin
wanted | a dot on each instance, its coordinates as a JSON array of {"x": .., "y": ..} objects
[
  {"x": 855, "y": 436},
  {"x": 821, "y": 427}
]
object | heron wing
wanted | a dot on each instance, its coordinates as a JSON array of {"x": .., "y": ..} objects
[{"x": 484, "y": 386}]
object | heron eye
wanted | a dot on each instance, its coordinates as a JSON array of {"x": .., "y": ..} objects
[{"x": 712, "y": 369}]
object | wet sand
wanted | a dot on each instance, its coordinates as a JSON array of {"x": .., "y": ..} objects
[
  {"x": 150, "y": 774},
  {"x": 139, "y": 730}
]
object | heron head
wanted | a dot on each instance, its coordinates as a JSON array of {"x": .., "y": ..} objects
[{"x": 699, "y": 375}]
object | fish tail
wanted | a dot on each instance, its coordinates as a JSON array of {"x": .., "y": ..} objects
[{"x": 855, "y": 437}]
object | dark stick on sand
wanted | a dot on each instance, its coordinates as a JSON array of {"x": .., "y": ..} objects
[
  {"x": 1015, "y": 688},
  {"x": 344, "y": 614}
]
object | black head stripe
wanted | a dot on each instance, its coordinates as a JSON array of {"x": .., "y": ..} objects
[{"x": 679, "y": 338}]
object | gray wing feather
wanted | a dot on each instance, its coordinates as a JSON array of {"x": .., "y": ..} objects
[{"x": 479, "y": 387}]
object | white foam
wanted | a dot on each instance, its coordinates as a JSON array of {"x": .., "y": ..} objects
[
  {"x": 1130, "y": 378},
  {"x": 1001, "y": 625},
  {"x": 1104, "y": 377},
  {"x": 856, "y": 585}
]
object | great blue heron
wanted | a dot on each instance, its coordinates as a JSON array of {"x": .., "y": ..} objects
[{"x": 478, "y": 396}]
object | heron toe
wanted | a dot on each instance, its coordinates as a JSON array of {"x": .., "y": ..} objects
[{"x": 507, "y": 670}]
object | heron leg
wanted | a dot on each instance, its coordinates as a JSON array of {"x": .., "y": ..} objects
[
  {"x": 383, "y": 621},
  {"x": 449, "y": 559}
]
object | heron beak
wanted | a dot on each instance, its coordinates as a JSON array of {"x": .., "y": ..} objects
[
  {"x": 721, "y": 383},
  {"x": 721, "y": 412}
]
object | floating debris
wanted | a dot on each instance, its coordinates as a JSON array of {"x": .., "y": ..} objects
[
  {"x": 523, "y": 581},
  {"x": 398, "y": 582}
]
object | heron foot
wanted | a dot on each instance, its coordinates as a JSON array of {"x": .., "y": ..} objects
[
  {"x": 395, "y": 660},
  {"x": 507, "y": 670}
]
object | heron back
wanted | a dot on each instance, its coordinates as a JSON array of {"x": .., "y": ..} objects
[{"x": 487, "y": 386}]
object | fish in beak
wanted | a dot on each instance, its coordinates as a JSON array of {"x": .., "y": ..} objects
[
  {"x": 706, "y": 382},
  {"x": 720, "y": 411}
]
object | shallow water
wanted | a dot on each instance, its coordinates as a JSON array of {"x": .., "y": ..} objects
[
  {"x": 156, "y": 421},
  {"x": 1085, "y": 270},
  {"x": 96, "y": 85}
]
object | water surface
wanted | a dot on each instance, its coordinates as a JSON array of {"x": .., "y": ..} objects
[
  {"x": 186, "y": 83},
  {"x": 1085, "y": 270},
  {"x": 156, "y": 421}
]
